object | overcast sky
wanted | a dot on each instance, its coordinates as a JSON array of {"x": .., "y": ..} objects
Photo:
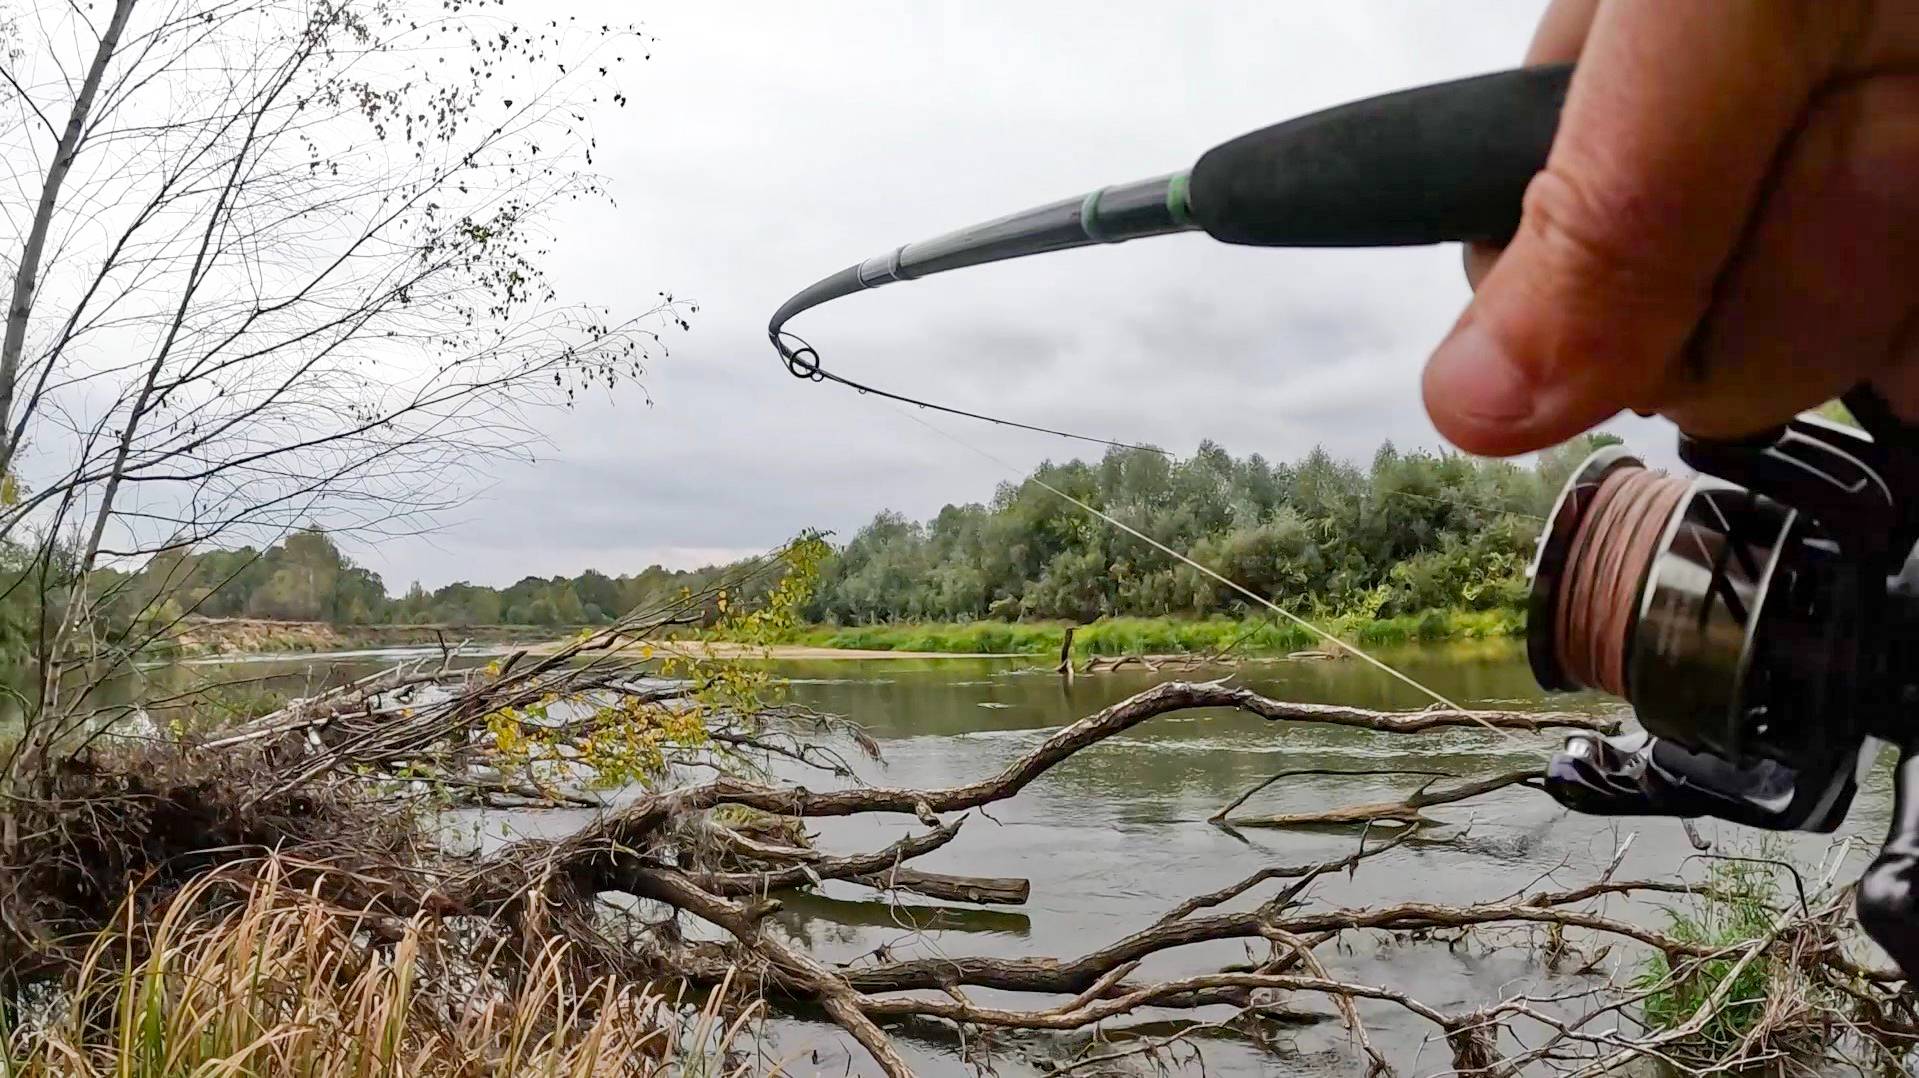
[{"x": 769, "y": 144}]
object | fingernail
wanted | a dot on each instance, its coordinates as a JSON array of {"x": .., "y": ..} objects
[{"x": 1480, "y": 381}]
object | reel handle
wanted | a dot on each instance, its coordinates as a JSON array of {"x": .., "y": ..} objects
[
  {"x": 1437, "y": 164},
  {"x": 1888, "y": 896}
]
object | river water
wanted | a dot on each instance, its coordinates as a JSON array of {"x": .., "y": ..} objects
[{"x": 1117, "y": 835}]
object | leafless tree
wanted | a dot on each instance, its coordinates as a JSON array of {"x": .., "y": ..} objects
[{"x": 275, "y": 261}]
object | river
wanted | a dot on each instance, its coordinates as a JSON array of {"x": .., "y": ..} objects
[{"x": 1117, "y": 835}]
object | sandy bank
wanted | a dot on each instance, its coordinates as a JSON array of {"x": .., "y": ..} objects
[{"x": 700, "y": 649}]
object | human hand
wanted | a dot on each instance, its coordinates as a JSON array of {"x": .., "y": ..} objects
[{"x": 1726, "y": 231}]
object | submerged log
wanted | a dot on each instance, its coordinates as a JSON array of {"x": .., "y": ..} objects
[
  {"x": 874, "y": 911},
  {"x": 985, "y": 890}
]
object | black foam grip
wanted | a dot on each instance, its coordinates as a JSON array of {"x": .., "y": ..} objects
[{"x": 1437, "y": 164}]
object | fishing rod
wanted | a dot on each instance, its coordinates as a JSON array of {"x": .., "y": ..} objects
[
  {"x": 1762, "y": 617},
  {"x": 1437, "y": 164}
]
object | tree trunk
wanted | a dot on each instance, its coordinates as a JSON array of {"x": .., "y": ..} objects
[{"x": 27, "y": 276}]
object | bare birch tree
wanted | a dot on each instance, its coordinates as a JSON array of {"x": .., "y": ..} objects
[{"x": 274, "y": 261}]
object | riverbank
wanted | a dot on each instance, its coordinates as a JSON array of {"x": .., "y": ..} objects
[
  {"x": 1159, "y": 636},
  {"x": 1107, "y": 637},
  {"x": 729, "y": 649},
  {"x": 202, "y": 637}
]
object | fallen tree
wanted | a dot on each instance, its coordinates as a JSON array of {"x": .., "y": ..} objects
[{"x": 344, "y": 790}]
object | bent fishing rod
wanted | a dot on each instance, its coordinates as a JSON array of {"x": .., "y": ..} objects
[
  {"x": 1439, "y": 164},
  {"x": 1761, "y": 617}
]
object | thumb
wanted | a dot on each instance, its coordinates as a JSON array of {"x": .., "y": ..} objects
[{"x": 1673, "y": 118}]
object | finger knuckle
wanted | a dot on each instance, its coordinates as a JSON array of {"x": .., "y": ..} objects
[{"x": 1606, "y": 238}]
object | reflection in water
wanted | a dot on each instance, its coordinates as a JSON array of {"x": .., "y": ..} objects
[
  {"x": 1115, "y": 836},
  {"x": 209, "y": 692}
]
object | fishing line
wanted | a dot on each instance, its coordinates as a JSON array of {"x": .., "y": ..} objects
[
  {"x": 1241, "y": 589},
  {"x": 804, "y": 362}
]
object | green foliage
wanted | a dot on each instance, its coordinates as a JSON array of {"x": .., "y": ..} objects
[
  {"x": 304, "y": 578},
  {"x": 1168, "y": 635},
  {"x": 1737, "y": 906},
  {"x": 1412, "y": 532},
  {"x": 1373, "y": 548},
  {"x": 745, "y": 685},
  {"x": 631, "y": 741},
  {"x": 308, "y": 578}
]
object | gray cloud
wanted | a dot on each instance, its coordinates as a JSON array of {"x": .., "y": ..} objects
[{"x": 768, "y": 144}]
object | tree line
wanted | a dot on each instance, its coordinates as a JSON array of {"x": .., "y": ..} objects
[
  {"x": 307, "y": 577},
  {"x": 1411, "y": 531}
]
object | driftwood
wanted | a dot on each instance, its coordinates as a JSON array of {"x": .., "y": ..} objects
[
  {"x": 731, "y": 849},
  {"x": 1405, "y": 811},
  {"x": 987, "y": 890},
  {"x": 1102, "y": 664}
]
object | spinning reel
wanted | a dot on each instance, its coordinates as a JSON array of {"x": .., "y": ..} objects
[{"x": 1763, "y": 621}]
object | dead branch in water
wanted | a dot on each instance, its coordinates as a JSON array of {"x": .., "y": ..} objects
[{"x": 1405, "y": 811}]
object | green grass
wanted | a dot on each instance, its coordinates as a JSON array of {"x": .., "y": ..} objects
[
  {"x": 1160, "y": 636},
  {"x": 1738, "y": 908}
]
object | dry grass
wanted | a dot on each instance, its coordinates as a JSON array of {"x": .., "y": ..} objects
[
  {"x": 285, "y": 983},
  {"x": 135, "y": 822}
]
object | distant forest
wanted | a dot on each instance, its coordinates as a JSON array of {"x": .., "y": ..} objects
[
  {"x": 308, "y": 578},
  {"x": 1410, "y": 531}
]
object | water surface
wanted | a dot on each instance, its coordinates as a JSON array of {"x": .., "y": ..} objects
[{"x": 1117, "y": 835}]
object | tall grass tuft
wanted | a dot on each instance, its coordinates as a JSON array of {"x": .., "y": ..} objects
[
  {"x": 1748, "y": 1002},
  {"x": 285, "y": 984}
]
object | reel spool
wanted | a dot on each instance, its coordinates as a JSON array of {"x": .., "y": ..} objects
[
  {"x": 1763, "y": 621},
  {"x": 1721, "y": 614}
]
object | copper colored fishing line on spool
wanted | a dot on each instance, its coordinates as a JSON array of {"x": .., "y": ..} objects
[{"x": 1612, "y": 549}]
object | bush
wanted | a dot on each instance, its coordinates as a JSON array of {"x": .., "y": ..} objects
[
  {"x": 1760, "y": 998},
  {"x": 1164, "y": 636}
]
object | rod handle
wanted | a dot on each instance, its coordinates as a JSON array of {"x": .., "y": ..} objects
[{"x": 1445, "y": 163}]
